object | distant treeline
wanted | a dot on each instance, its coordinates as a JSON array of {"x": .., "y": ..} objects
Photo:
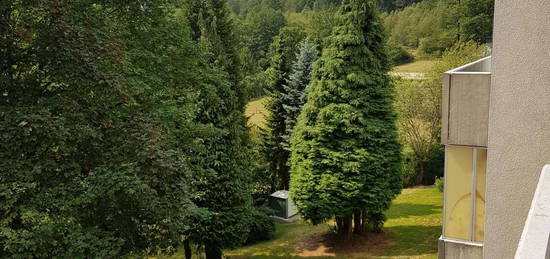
[
  {"x": 239, "y": 6},
  {"x": 243, "y": 6},
  {"x": 432, "y": 26}
]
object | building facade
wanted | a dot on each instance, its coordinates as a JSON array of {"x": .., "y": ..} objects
[{"x": 493, "y": 166}]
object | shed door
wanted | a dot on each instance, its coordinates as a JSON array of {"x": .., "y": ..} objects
[{"x": 279, "y": 206}]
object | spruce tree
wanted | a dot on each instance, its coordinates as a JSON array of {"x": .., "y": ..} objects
[
  {"x": 221, "y": 186},
  {"x": 345, "y": 153},
  {"x": 294, "y": 95},
  {"x": 283, "y": 53}
]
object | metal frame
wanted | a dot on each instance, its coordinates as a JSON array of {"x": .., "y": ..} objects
[
  {"x": 458, "y": 241},
  {"x": 456, "y": 71},
  {"x": 444, "y": 193},
  {"x": 473, "y": 201},
  {"x": 474, "y": 195}
]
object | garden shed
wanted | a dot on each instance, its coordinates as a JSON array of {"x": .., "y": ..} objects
[{"x": 282, "y": 205}]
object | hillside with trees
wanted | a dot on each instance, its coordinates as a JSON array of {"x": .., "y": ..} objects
[{"x": 124, "y": 129}]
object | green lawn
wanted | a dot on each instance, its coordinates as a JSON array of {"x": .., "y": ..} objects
[
  {"x": 256, "y": 112},
  {"x": 411, "y": 231},
  {"x": 419, "y": 66}
]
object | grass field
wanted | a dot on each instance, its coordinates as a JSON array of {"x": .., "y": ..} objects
[
  {"x": 256, "y": 112},
  {"x": 411, "y": 231},
  {"x": 419, "y": 66}
]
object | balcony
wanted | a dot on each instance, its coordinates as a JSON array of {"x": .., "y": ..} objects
[{"x": 465, "y": 104}]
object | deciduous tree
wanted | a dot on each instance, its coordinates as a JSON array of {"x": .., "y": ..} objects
[{"x": 96, "y": 115}]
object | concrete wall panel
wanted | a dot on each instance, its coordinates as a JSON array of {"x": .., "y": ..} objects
[
  {"x": 468, "y": 109},
  {"x": 519, "y": 120}
]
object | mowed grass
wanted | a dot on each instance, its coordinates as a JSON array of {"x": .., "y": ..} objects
[
  {"x": 419, "y": 66},
  {"x": 411, "y": 231},
  {"x": 256, "y": 112}
]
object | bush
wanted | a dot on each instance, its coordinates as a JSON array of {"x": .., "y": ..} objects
[
  {"x": 408, "y": 168},
  {"x": 399, "y": 55},
  {"x": 435, "y": 45},
  {"x": 434, "y": 166},
  {"x": 439, "y": 183},
  {"x": 262, "y": 226}
]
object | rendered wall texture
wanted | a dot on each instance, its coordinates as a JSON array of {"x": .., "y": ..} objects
[{"x": 519, "y": 120}]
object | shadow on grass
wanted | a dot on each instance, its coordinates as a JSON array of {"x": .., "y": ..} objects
[
  {"x": 412, "y": 240},
  {"x": 402, "y": 210},
  {"x": 397, "y": 241}
]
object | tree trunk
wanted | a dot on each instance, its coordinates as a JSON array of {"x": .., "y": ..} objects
[
  {"x": 348, "y": 228},
  {"x": 339, "y": 225},
  {"x": 365, "y": 222},
  {"x": 212, "y": 251},
  {"x": 420, "y": 175},
  {"x": 274, "y": 175},
  {"x": 357, "y": 225},
  {"x": 345, "y": 227},
  {"x": 187, "y": 248}
]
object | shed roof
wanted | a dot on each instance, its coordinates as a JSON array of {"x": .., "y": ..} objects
[{"x": 282, "y": 194}]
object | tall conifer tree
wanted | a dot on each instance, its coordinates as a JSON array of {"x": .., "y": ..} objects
[
  {"x": 283, "y": 54},
  {"x": 294, "y": 95},
  {"x": 222, "y": 186},
  {"x": 345, "y": 154}
]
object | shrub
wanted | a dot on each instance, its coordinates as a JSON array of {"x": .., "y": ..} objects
[
  {"x": 439, "y": 183},
  {"x": 408, "y": 168},
  {"x": 399, "y": 55},
  {"x": 434, "y": 166},
  {"x": 435, "y": 45},
  {"x": 262, "y": 226}
]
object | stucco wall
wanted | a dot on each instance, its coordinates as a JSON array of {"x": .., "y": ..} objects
[
  {"x": 450, "y": 250},
  {"x": 519, "y": 120}
]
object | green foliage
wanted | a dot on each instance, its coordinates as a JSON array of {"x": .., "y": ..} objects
[
  {"x": 434, "y": 45},
  {"x": 459, "y": 54},
  {"x": 440, "y": 183},
  {"x": 432, "y": 26},
  {"x": 429, "y": 26},
  {"x": 283, "y": 53},
  {"x": 294, "y": 95},
  {"x": 222, "y": 184},
  {"x": 257, "y": 29},
  {"x": 97, "y": 111},
  {"x": 345, "y": 154},
  {"x": 262, "y": 226},
  {"x": 418, "y": 104},
  {"x": 477, "y": 20},
  {"x": 390, "y": 5},
  {"x": 409, "y": 167},
  {"x": 320, "y": 24},
  {"x": 399, "y": 55}
]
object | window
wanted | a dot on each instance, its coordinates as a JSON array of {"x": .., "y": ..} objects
[{"x": 464, "y": 207}]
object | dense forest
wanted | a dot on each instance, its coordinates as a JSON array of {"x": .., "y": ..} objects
[{"x": 123, "y": 129}]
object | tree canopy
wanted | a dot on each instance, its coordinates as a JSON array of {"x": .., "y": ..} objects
[
  {"x": 96, "y": 106},
  {"x": 345, "y": 154}
]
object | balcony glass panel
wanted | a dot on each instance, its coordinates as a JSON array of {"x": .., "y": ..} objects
[{"x": 458, "y": 193}]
